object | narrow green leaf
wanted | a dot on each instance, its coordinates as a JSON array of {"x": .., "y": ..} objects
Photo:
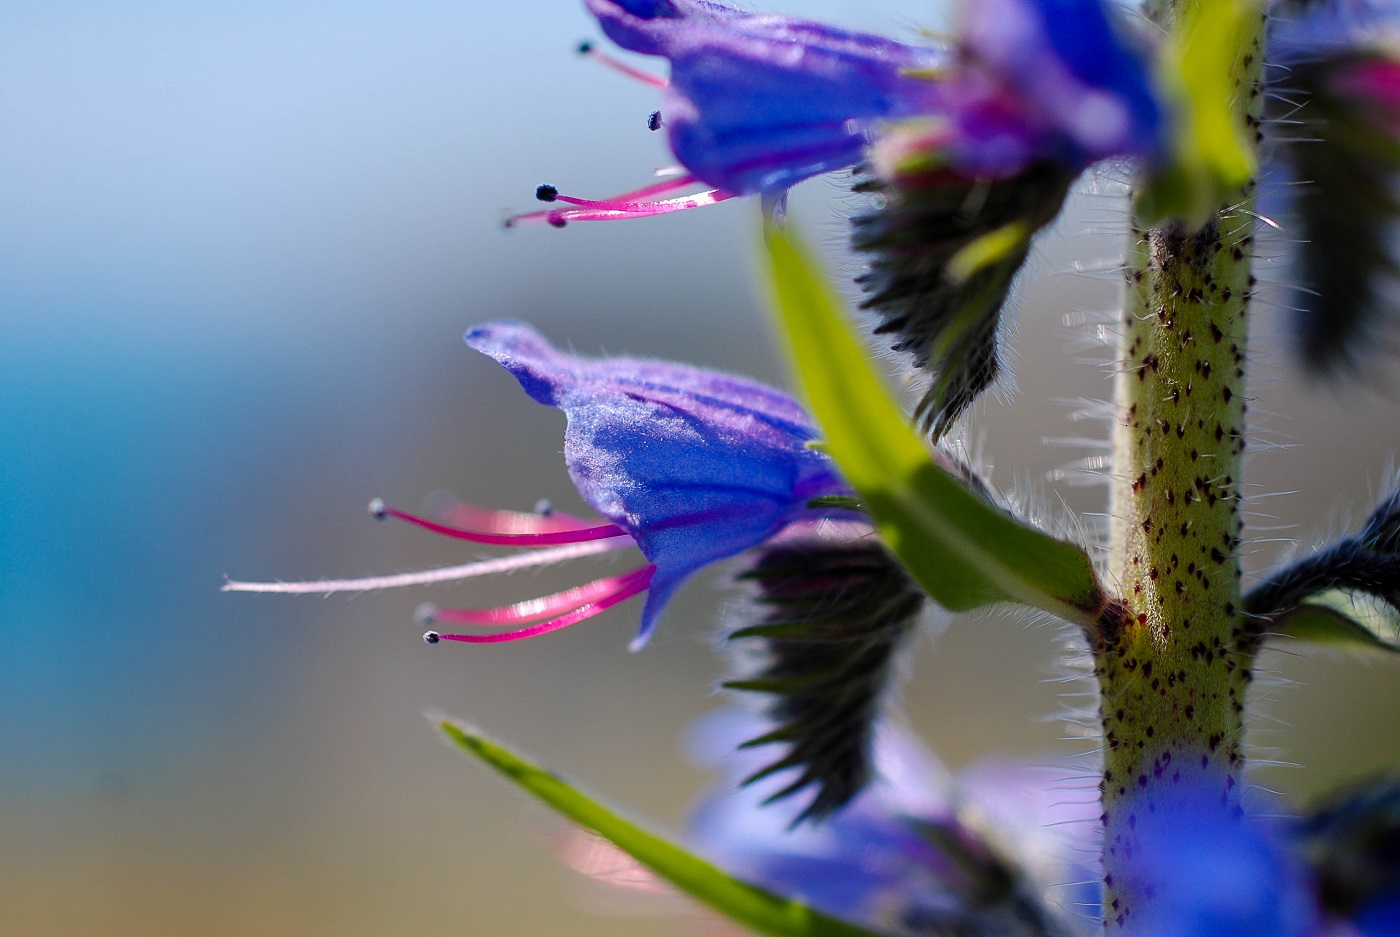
[
  {"x": 1206, "y": 74},
  {"x": 1214, "y": 35},
  {"x": 748, "y": 904},
  {"x": 1343, "y": 622},
  {"x": 963, "y": 551}
]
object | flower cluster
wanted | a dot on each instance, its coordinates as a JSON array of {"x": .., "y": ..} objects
[{"x": 968, "y": 148}]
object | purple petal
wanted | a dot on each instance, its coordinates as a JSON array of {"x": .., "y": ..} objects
[
  {"x": 759, "y": 103},
  {"x": 1082, "y": 93},
  {"x": 1196, "y": 867}
]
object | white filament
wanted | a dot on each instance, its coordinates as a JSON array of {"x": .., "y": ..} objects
[{"x": 504, "y": 564}]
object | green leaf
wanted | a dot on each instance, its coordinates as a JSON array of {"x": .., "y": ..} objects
[
  {"x": 1204, "y": 72},
  {"x": 963, "y": 551},
  {"x": 1340, "y": 620},
  {"x": 748, "y": 904}
]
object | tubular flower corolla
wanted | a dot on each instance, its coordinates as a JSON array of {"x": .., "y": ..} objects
[
  {"x": 690, "y": 466},
  {"x": 757, "y": 103}
]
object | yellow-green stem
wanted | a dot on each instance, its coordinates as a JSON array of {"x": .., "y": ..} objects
[{"x": 1171, "y": 673}]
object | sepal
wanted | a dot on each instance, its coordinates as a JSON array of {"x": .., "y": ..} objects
[
  {"x": 944, "y": 249},
  {"x": 1345, "y": 595},
  {"x": 831, "y": 615}
]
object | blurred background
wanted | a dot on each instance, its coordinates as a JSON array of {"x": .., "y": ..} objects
[{"x": 239, "y": 243}]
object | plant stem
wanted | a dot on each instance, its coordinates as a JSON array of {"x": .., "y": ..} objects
[{"x": 1171, "y": 671}]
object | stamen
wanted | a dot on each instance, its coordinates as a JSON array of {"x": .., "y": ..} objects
[
  {"x": 654, "y": 121},
  {"x": 628, "y": 201},
  {"x": 587, "y": 50},
  {"x": 491, "y": 567},
  {"x": 519, "y": 613},
  {"x": 491, "y": 521},
  {"x": 571, "y": 534},
  {"x": 625, "y": 587},
  {"x": 560, "y": 217}
]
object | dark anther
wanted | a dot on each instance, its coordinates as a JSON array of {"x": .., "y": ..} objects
[
  {"x": 431, "y": 637},
  {"x": 546, "y": 193},
  {"x": 654, "y": 120},
  {"x": 585, "y": 47},
  {"x": 378, "y": 510}
]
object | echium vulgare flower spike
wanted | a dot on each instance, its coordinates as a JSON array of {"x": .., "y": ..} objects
[
  {"x": 831, "y": 611},
  {"x": 1337, "y": 126},
  {"x": 690, "y": 466},
  {"x": 757, "y": 103}
]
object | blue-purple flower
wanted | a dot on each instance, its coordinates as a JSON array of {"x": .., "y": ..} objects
[
  {"x": 688, "y": 465},
  {"x": 1007, "y": 847},
  {"x": 1001, "y": 847},
  {"x": 1194, "y": 865},
  {"x": 757, "y": 103},
  {"x": 1046, "y": 79}
]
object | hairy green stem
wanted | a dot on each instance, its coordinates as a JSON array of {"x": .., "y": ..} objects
[{"x": 1170, "y": 665}]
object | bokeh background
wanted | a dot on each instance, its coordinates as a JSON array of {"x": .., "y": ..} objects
[{"x": 239, "y": 243}]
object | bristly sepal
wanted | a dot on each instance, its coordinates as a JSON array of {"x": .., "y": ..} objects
[
  {"x": 943, "y": 250},
  {"x": 1345, "y": 595},
  {"x": 831, "y": 615},
  {"x": 1339, "y": 130}
]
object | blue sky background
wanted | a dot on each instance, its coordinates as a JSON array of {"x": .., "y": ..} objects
[{"x": 239, "y": 244}]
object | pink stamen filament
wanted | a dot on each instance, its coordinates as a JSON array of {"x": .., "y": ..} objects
[
  {"x": 617, "y": 65},
  {"x": 559, "y": 217},
  {"x": 530, "y": 559},
  {"x": 530, "y": 610},
  {"x": 512, "y": 522},
  {"x": 635, "y": 200},
  {"x": 575, "y": 535},
  {"x": 623, "y": 588}
]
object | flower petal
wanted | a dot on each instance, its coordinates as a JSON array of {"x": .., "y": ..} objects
[
  {"x": 1079, "y": 93},
  {"x": 759, "y": 103},
  {"x": 697, "y": 466}
]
